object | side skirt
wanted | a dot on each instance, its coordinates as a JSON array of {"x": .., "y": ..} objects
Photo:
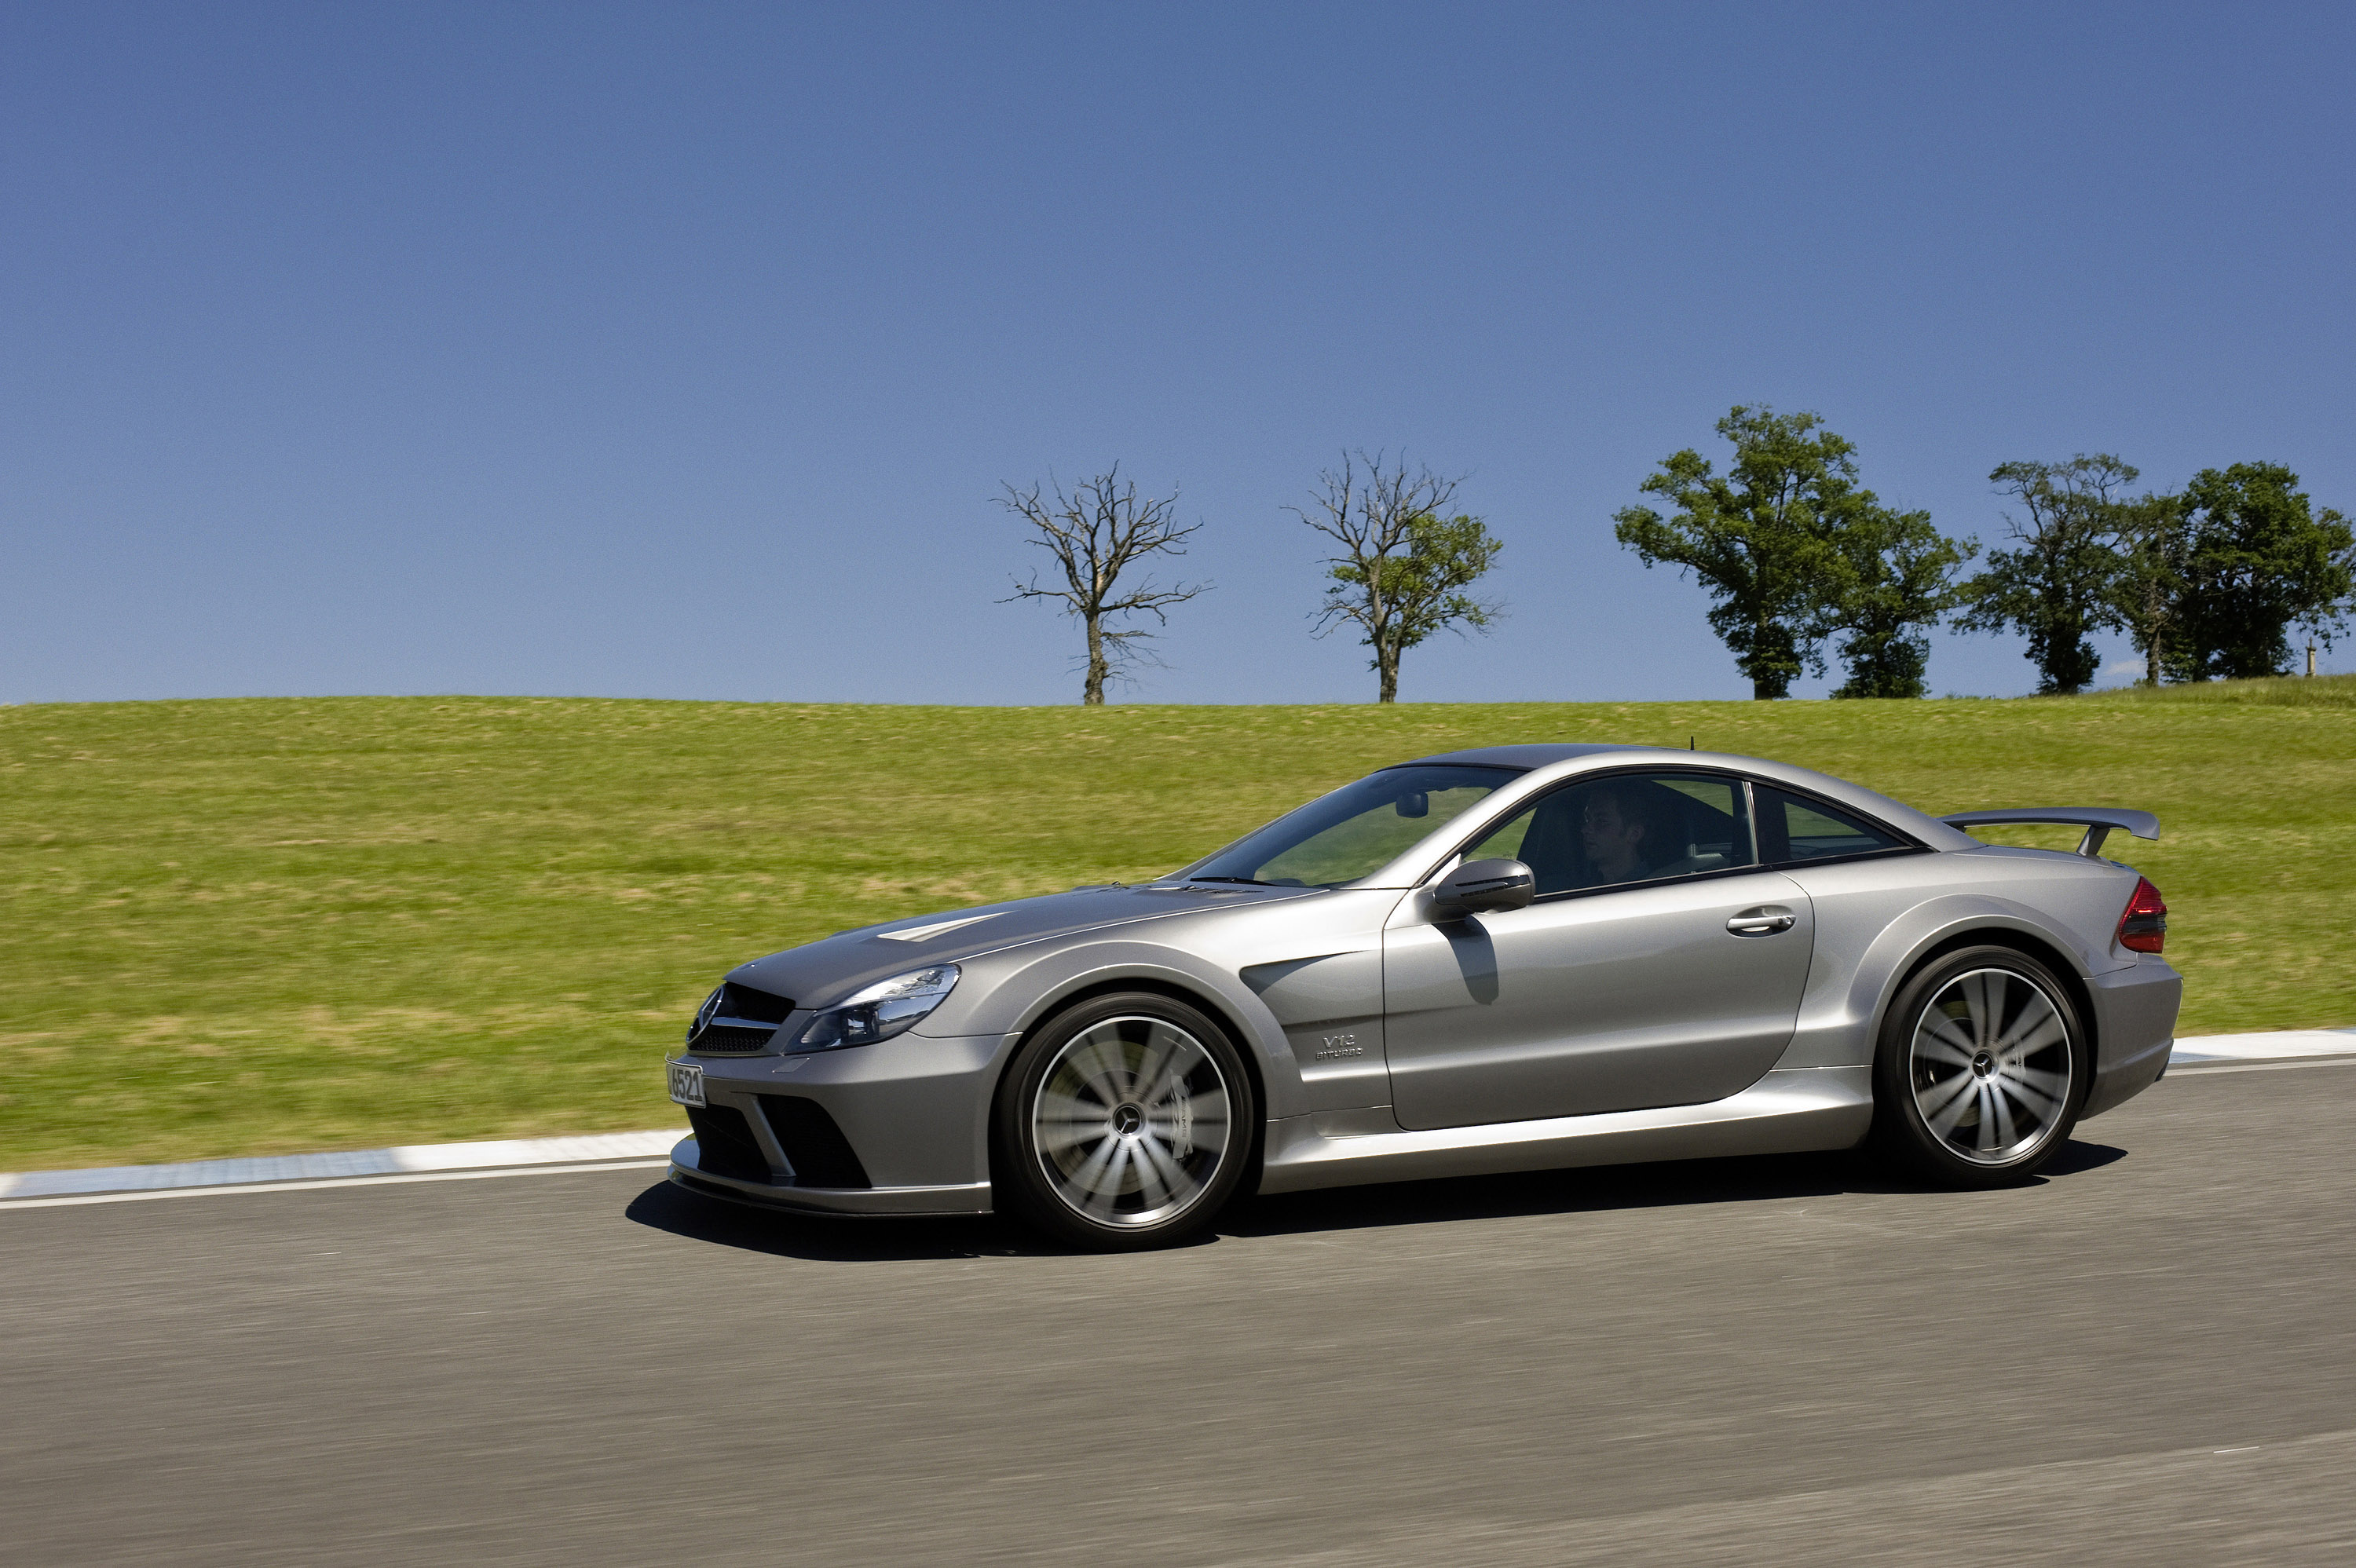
[{"x": 1790, "y": 1111}]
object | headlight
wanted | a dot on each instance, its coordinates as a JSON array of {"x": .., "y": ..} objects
[{"x": 882, "y": 1010}]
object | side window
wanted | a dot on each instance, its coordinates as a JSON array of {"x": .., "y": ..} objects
[
  {"x": 1625, "y": 829},
  {"x": 1792, "y": 830}
]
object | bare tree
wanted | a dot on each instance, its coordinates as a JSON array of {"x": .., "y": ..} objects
[
  {"x": 1405, "y": 564},
  {"x": 1096, "y": 533}
]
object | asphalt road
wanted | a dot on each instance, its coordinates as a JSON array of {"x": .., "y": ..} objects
[{"x": 2147, "y": 1357}]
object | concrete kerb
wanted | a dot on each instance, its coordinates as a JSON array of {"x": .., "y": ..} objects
[
  {"x": 409, "y": 1160},
  {"x": 2277, "y": 1045},
  {"x": 601, "y": 1149}
]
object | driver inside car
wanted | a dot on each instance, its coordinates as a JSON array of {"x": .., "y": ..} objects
[{"x": 1617, "y": 833}]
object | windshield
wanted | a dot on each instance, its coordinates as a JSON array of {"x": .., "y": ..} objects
[{"x": 1356, "y": 830}]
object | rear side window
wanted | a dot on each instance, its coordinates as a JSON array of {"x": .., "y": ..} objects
[{"x": 1794, "y": 831}]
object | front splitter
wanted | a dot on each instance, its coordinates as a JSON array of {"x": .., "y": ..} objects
[{"x": 971, "y": 1198}]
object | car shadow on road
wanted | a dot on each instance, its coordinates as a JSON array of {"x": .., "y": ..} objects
[
  {"x": 818, "y": 1238},
  {"x": 1760, "y": 1179},
  {"x": 1592, "y": 1188}
]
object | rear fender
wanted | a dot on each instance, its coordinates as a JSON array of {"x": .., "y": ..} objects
[{"x": 1839, "y": 1023}]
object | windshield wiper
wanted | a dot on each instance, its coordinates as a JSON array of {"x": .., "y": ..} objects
[{"x": 1246, "y": 881}]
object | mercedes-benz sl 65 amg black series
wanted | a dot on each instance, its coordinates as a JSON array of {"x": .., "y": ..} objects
[{"x": 1507, "y": 959}]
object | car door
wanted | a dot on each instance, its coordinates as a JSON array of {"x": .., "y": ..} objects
[{"x": 1659, "y": 965}]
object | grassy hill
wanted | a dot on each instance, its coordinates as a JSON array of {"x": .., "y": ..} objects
[{"x": 266, "y": 925}]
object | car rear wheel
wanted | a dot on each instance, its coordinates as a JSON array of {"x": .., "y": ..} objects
[
  {"x": 1982, "y": 1069},
  {"x": 1125, "y": 1124}
]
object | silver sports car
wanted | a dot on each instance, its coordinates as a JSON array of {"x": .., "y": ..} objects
[{"x": 1507, "y": 959}]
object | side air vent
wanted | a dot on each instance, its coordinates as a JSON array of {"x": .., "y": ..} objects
[
  {"x": 819, "y": 1154},
  {"x": 723, "y": 1144},
  {"x": 736, "y": 1019}
]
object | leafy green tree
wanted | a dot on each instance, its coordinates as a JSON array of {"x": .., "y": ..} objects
[
  {"x": 2153, "y": 542},
  {"x": 2258, "y": 560},
  {"x": 1406, "y": 565},
  {"x": 2062, "y": 585},
  {"x": 1765, "y": 539},
  {"x": 1898, "y": 577}
]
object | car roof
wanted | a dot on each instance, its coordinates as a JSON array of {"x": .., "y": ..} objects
[
  {"x": 1924, "y": 828},
  {"x": 1517, "y": 756}
]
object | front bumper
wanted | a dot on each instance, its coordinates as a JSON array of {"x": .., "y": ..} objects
[
  {"x": 972, "y": 1198},
  {"x": 898, "y": 1127}
]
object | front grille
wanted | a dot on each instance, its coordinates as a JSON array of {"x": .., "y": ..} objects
[
  {"x": 753, "y": 1007},
  {"x": 739, "y": 1019},
  {"x": 723, "y": 1144},
  {"x": 730, "y": 1037},
  {"x": 814, "y": 1145}
]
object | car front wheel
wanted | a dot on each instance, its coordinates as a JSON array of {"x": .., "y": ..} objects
[
  {"x": 1125, "y": 1123},
  {"x": 1981, "y": 1070}
]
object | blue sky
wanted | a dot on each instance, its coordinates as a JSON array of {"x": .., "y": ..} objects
[{"x": 679, "y": 351}]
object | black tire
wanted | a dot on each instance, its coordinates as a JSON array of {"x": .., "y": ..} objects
[
  {"x": 1981, "y": 1070},
  {"x": 1100, "y": 1137}
]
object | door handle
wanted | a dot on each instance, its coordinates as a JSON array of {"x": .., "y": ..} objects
[{"x": 1764, "y": 920}]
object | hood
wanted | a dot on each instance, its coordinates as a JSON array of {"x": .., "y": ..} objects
[{"x": 819, "y": 973}]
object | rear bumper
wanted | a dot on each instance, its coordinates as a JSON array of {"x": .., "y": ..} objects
[{"x": 2134, "y": 1028}]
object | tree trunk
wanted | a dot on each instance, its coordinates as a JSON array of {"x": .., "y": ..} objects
[
  {"x": 1387, "y": 661},
  {"x": 1764, "y": 640},
  {"x": 1094, "y": 695}
]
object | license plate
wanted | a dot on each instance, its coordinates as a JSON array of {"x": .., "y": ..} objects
[{"x": 686, "y": 1083}]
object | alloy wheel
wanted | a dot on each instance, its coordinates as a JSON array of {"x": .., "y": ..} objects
[
  {"x": 1990, "y": 1066},
  {"x": 1131, "y": 1121}
]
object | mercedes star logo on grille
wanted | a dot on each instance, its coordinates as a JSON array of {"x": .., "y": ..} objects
[{"x": 703, "y": 1014}]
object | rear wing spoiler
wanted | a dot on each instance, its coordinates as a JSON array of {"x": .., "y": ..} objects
[{"x": 2097, "y": 820}]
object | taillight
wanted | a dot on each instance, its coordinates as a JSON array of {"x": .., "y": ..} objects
[{"x": 2144, "y": 927}]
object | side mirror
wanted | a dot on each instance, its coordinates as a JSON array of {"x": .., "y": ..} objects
[{"x": 1481, "y": 885}]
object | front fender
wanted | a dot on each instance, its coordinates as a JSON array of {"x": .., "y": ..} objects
[{"x": 1031, "y": 989}]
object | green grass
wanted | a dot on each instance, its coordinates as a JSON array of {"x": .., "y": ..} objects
[
  {"x": 255, "y": 926},
  {"x": 2323, "y": 691}
]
